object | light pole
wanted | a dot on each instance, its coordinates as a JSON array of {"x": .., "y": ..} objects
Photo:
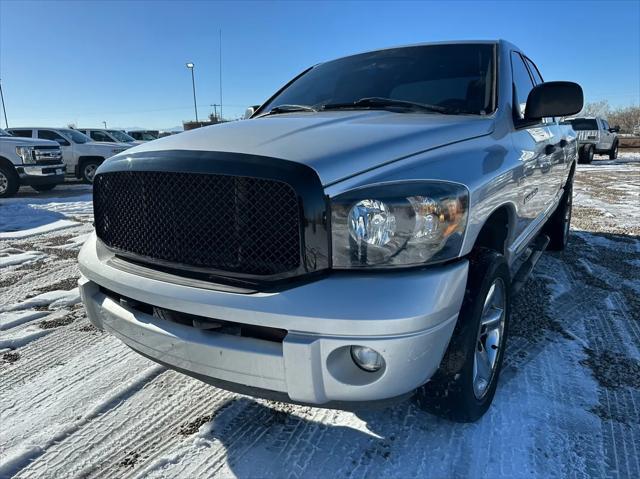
[
  {"x": 4, "y": 108},
  {"x": 190, "y": 66},
  {"x": 105, "y": 124}
]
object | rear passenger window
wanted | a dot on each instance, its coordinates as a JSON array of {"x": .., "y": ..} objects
[
  {"x": 49, "y": 135},
  {"x": 522, "y": 83},
  {"x": 21, "y": 133}
]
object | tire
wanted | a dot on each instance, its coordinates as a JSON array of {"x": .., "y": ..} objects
[
  {"x": 9, "y": 181},
  {"x": 613, "y": 153},
  {"x": 42, "y": 188},
  {"x": 458, "y": 390},
  {"x": 586, "y": 155},
  {"x": 88, "y": 169},
  {"x": 559, "y": 225}
]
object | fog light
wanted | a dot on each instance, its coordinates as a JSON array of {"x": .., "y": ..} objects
[{"x": 366, "y": 358}]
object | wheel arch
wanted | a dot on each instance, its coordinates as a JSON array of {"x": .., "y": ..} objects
[
  {"x": 497, "y": 229},
  {"x": 6, "y": 162}
]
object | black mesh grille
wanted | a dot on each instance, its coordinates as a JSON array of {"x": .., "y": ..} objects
[{"x": 230, "y": 223}]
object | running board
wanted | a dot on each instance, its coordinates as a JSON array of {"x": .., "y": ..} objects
[{"x": 522, "y": 275}]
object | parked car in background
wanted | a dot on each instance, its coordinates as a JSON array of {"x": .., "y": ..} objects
[
  {"x": 109, "y": 136},
  {"x": 25, "y": 161},
  {"x": 81, "y": 154},
  {"x": 595, "y": 136},
  {"x": 144, "y": 135},
  {"x": 359, "y": 238},
  {"x": 162, "y": 134}
]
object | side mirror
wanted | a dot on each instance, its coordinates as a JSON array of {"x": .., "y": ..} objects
[
  {"x": 615, "y": 129},
  {"x": 248, "y": 113},
  {"x": 554, "y": 98}
]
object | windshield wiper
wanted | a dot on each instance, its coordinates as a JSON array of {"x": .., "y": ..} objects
[
  {"x": 379, "y": 102},
  {"x": 287, "y": 109}
]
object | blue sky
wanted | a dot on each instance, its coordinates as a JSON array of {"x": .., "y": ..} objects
[{"x": 124, "y": 62}]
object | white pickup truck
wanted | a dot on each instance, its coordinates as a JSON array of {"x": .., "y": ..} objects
[
  {"x": 24, "y": 161},
  {"x": 81, "y": 155}
]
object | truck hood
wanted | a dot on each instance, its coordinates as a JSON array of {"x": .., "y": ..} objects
[
  {"x": 335, "y": 144},
  {"x": 20, "y": 141},
  {"x": 104, "y": 147},
  {"x": 108, "y": 144}
]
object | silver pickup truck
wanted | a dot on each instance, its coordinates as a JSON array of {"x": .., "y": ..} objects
[{"x": 357, "y": 240}]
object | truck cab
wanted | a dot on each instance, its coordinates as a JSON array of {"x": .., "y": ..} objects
[{"x": 109, "y": 136}]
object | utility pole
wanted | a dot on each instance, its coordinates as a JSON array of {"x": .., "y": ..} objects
[
  {"x": 220, "y": 56},
  {"x": 191, "y": 66},
  {"x": 215, "y": 110},
  {"x": 4, "y": 108}
]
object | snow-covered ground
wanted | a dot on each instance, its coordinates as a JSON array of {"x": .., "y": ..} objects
[{"x": 75, "y": 402}]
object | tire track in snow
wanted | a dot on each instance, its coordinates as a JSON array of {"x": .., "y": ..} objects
[
  {"x": 142, "y": 427},
  {"x": 53, "y": 350},
  {"x": 13, "y": 460}
]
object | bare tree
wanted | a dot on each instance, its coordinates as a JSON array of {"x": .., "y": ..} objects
[
  {"x": 626, "y": 118},
  {"x": 597, "y": 108}
]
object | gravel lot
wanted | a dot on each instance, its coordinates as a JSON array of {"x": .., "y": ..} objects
[{"x": 75, "y": 402}]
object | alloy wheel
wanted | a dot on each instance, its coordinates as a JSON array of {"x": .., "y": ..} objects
[
  {"x": 4, "y": 183},
  {"x": 90, "y": 171},
  {"x": 489, "y": 340}
]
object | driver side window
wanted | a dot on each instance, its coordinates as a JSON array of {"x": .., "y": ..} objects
[
  {"x": 97, "y": 135},
  {"x": 522, "y": 84}
]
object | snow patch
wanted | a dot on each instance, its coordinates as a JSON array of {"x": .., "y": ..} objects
[
  {"x": 54, "y": 299},
  {"x": 12, "y": 319},
  {"x": 24, "y": 233},
  {"x": 15, "y": 340},
  {"x": 8, "y": 259}
]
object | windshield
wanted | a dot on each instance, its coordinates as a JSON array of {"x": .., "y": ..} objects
[
  {"x": 457, "y": 77},
  {"x": 4, "y": 133},
  {"x": 75, "y": 135},
  {"x": 582, "y": 124},
  {"x": 120, "y": 136}
]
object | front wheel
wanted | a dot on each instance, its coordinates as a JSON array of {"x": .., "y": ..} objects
[
  {"x": 613, "y": 154},
  {"x": 9, "y": 182},
  {"x": 88, "y": 170},
  {"x": 464, "y": 386},
  {"x": 42, "y": 188}
]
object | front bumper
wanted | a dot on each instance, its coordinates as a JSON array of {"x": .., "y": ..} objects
[
  {"x": 41, "y": 174},
  {"x": 408, "y": 317}
]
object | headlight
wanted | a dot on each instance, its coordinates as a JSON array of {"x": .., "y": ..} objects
[
  {"x": 398, "y": 224},
  {"x": 26, "y": 153}
]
